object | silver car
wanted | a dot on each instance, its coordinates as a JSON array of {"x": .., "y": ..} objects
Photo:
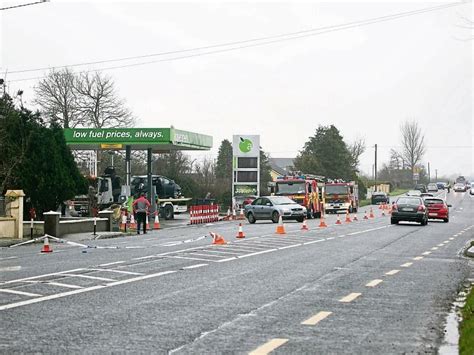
[{"x": 271, "y": 207}]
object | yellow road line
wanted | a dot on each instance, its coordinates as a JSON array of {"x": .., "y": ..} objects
[
  {"x": 392, "y": 272},
  {"x": 374, "y": 283},
  {"x": 316, "y": 318},
  {"x": 268, "y": 346},
  {"x": 350, "y": 297},
  {"x": 406, "y": 265}
]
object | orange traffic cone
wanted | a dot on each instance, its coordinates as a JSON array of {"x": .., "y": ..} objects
[
  {"x": 241, "y": 215},
  {"x": 156, "y": 224},
  {"x": 304, "y": 226},
  {"x": 383, "y": 213},
  {"x": 348, "y": 217},
  {"x": 322, "y": 223},
  {"x": 389, "y": 209},
  {"x": 46, "y": 247},
  {"x": 217, "y": 239},
  {"x": 240, "y": 234},
  {"x": 281, "y": 227},
  {"x": 228, "y": 214},
  {"x": 133, "y": 224},
  {"x": 371, "y": 215},
  {"x": 355, "y": 217},
  {"x": 338, "y": 221},
  {"x": 123, "y": 223},
  {"x": 147, "y": 223},
  {"x": 381, "y": 206},
  {"x": 366, "y": 215},
  {"x": 234, "y": 215}
]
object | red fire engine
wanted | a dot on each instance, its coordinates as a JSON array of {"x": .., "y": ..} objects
[{"x": 307, "y": 190}]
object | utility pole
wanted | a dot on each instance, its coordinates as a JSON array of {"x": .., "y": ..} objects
[
  {"x": 436, "y": 175},
  {"x": 375, "y": 169},
  {"x": 429, "y": 173}
]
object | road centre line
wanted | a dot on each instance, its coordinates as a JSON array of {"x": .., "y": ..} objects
[
  {"x": 114, "y": 263},
  {"x": 434, "y": 248},
  {"x": 374, "y": 283},
  {"x": 446, "y": 241},
  {"x": 194, "y": 266},
  {"x": 440, "y": 245},
  {"x": 330, "y": 238},
  {"x": 22, "y": 293},
  {"x": 268, "y": 346},
  {"x": 392, "y": 272},
  {"x": 406, "y": 265},
  {"x": 426, "y": 253},
  {"x": 88, "y": 277},
  {"x": 417, "y": 258},
  {"x": 316, "y": 318},
  {"x": 451, "y": 238},
  {"x": 350, "y": 297}
]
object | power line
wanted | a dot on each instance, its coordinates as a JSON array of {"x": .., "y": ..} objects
[
  {"x": 260, "y": 42},
  {"x": 23, "y": 5}
]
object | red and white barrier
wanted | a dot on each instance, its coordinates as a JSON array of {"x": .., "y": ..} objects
[{"x": 204, "y": 214}]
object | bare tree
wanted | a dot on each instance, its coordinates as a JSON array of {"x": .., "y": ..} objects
[
  {"x": 396, "y": 161},
  {"x": 57, "y": 97},
  {"x": 99, "y": 104},
  {"x": 413, "y": 144},
  {"x": 356, "y": 149}
]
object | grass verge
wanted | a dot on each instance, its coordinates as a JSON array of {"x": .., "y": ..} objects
[
  {"x": 363, "y": 203},
  {"x": 466, "y": 329},
  {"x": 397, "y": 192}
]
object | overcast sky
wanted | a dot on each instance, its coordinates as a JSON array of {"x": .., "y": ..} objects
[{"x": 365, "y": 80}]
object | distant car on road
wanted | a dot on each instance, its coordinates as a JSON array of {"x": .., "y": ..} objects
[
  {"x": 432, "y": 187},
  {"x": 441, "y": 185},
  {"x": 459, "y": 187},
  {"x": 379, "y": 197},
  {"x": 416, "y": 193},
  {"x": 471, "y": 191},
  {"x": 437, "y": 209},
  {"x": 426, "y": 194},
  {"x": 242, "y": 201},
  {"x": 411, "y": 209},
  {"x": 271, "y": 207},
  {"x": 420, "y": 187}
]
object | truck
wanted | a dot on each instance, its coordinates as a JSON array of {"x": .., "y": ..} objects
[
  {"x": 167, "y": 194},
  {"x": 305, "y": 189},
  {"x": 341, "y": 196}
]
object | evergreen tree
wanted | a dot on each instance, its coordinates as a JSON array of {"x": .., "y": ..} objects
[
  {"x": 265, "y": 176},
  {"x": 224, "y": 161},
  {"x": 326, "y": 154}
]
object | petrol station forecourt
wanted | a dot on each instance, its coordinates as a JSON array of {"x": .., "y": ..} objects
[{"x": 153, "y": 140}]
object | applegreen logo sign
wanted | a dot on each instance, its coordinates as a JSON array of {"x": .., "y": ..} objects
[{"x": 245, "y": 145}]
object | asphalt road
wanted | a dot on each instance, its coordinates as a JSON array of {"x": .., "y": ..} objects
[{"x": 360, "y": 287}]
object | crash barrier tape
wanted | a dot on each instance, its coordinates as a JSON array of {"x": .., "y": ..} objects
[{"x": 204, "y": 214}]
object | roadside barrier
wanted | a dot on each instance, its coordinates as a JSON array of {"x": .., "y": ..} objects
[
  {"x": 280, "y": 227},
  {"x": 217, "y": 239},
  {"x": 204, "y": 214},
  {"x": 240, "y": 234},
  {"x": 304, "y": 226}
]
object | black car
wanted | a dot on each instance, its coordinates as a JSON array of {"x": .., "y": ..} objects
[
  {"x": 379, "y": 197},
  {"x": 421, "y": 188},
  {"x": 411, "y": 209}
]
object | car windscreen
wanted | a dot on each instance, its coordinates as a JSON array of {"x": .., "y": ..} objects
[
  {"x": 290, "y": 187},
  {"x": 408, "y": 201},
  {"x": 336, "y": 190},
  {"x": 433, "y": 201},
  {"x": 282, "y": 200}
]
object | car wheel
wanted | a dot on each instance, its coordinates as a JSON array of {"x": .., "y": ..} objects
[
  {"x": 275, "y": 217},
  {"x": 393, "y": 221},
  {"x": 317, "y": 215},
  {"x": 446, "y": 220},
  {"x": 251, "y": 218},
  {"x": 169, "y": 213}
]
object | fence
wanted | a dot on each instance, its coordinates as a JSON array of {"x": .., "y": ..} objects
[{"x": 204, "y": 214}]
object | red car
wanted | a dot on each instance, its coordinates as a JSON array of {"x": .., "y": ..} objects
[{"x": 437, "y": 208}]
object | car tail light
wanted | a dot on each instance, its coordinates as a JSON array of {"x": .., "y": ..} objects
[
  {"x": 394, "y": 207},
  {"x": 421, "y": 208}
]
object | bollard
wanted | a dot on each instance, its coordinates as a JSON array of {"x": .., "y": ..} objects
[
  {"x": 95, "y": 226},
  {"x": 31, "y": 228}
]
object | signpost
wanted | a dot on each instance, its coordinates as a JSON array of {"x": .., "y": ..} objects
[{"x": 245, "y": 165}]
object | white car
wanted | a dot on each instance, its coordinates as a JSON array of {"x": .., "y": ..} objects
[
  {"x": 471, "y": 191},
  {"x": 432, "y": 187},
  {"x": 460, "y": 187},
  {"x": 416, "y": 193}
]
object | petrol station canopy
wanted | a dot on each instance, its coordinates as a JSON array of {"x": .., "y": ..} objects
[{"x": 158, "y": 139}]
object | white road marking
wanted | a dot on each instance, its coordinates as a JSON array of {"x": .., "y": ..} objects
[
  {"x": 257, "y": 253},
  {"x": 188, "y": 258},
  {"x": 224, "y": 260},
  {"x": 10, "y": 268},
  {"x": 223, "y": 252},
  {"x": 418, "y": 258},
  {"x": 316, "y": 318},
  {"x": 206, "y": 255},
  {"x": 88, "y": 277},
  {"x": 9, "y": 258},
  {"x": 392, "y": 272},
  {"x": 114, "y": 263},
  {"x": 374, "y": 283},
  {"x": 268, "y": 346},
  {"x": 330, "y": 238},
  {"x": 440, "y": 245},
  {"x": 446, "y": 241},
  {"x": 434, "y": 248},
  {"x": 406, "y": 265},
  {"x": 314, "y": 241},
  {"x": 144, "y": 257},
  {"x": 119, "y": 271},
  {"x": 15, "y": 292},
  {"x": 426, "y": 253},
  {"x": 60, "y": 284},
  {"x": 350, "y": 297},
  {"x": 194, "y": 266},
  {"x": 39, "y": 276},
  {"x": 289, "y": 246},
  {"x": 451, "y": 238},
  {"x": 140, "y": 278}
]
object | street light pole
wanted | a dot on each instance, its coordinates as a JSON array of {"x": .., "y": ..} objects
[{"x": 375, "y": 169}]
